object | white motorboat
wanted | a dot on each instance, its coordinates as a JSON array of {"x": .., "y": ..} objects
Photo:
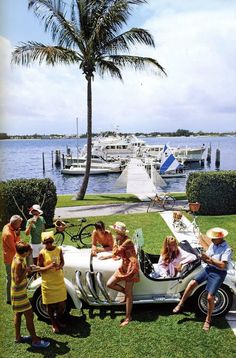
[
  {"x": 80, "y": 170},
  {"x": 182, "y": 154},
  {"x": 117, "y": 146}
]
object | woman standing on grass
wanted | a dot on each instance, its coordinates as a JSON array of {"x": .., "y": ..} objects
[
  {"x": 128, "y": 271},
  {"x": 53, "y": 286},
  {"x": 19, "y": 300}
]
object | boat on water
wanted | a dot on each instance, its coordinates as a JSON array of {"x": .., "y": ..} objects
[
  {"x": 80, "y": 170},
  {"x": 182, "y": 154}
]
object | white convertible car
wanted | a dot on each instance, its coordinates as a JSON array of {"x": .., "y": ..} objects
[{"x": 86, "y": 276}]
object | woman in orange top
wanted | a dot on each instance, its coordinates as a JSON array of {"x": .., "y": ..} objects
[
  {"x": 129, "y": 269},
  {"x": 103, "y": 237}
]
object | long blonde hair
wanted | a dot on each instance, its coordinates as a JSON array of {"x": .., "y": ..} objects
[{"x": 167, "y": 254}]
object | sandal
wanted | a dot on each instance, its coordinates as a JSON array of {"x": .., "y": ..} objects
[
  {"x": 125, "y": 322},
  {"x": 178, "y": 308},
  {"x": 55, "y": 328},
  {"x": 207, "y": 325},
  {"x": 24, "y": 339},
  {"x": 41, "y": 344}
]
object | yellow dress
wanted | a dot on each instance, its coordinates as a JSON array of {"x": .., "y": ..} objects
[
  {"x": 19, "y": 299},
  {"x": 53, "y": 285}
]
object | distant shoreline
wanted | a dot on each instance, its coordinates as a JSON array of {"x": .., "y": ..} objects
[{"x": 139, "y": 136}]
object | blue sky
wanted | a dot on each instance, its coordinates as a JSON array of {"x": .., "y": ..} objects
[{"x": 195, "y": 43}]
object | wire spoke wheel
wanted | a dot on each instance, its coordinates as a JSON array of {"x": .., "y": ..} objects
[
  {"x": 168, "y": 202},
  {"x": 85, "y": 235},
  {"x": 223, "y": 301}
]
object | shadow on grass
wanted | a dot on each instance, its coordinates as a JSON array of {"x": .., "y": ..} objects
[
  {"x": 140, "y": 313},
  {"x": 55, "y": 349},
  {"x": 216, "y": 322}
]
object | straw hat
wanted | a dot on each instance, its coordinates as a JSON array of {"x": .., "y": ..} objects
[
  {"x": 37, "y": 208},
  {"x": 47, "y": 235},
  {"x": 217, "y": 233},
  {"x": 119, "y": 226}
]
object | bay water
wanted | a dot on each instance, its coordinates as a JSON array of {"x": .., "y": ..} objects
[{"x": 22, "y": 158}]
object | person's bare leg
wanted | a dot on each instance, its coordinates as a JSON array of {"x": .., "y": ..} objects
[
  {"x": 60, "y": 309},
  {"x": 29, "y": 317},
  {"x": 51, "y": 313},
  {"x": 113, "y": 284},
  {"x": 210, "y": 308},
  {"x": 17, "y": 324},
  {"x": 189, "y": 289},
  {"x": 129, "y": 303}
]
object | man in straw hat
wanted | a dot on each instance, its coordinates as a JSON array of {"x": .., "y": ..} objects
[{"x": 216, "y": 258}]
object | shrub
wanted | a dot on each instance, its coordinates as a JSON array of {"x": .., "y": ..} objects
[
  {"x": 216, "y": 191},
  {"x": 20, "y": 194}
]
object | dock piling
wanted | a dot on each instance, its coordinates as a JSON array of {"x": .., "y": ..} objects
[
  {"x": 217, "y": 162},
  {"x": 57, "y": 157},
  {"x": 43, "y": 162}
]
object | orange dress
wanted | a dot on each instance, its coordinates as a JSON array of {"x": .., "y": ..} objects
[
  {"x": 105, "y": 240},
  {"x": 129, "y": 270}
]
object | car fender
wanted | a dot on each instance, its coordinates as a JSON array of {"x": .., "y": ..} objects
[{"x": 73, "y": 294}]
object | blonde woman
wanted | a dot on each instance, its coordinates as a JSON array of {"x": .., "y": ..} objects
[{"x": 172, "y": 259}]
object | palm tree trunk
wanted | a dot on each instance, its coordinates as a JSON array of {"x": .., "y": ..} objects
[{"x": 80, "y": 195}]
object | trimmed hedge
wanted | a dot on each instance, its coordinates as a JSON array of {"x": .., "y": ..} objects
[
  {"x": 27, "y": 192},
  {"x": 216, "y": 191}
]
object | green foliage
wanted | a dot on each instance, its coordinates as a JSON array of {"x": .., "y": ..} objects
[
  {"x": 21, "y": 194},
  {"x": 216, "y": 191}
]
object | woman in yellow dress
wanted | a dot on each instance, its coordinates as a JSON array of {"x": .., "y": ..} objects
[{"x": 53, "y": 286}]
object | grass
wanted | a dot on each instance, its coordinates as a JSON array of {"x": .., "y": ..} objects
[
  {"x": 154, "y": 332},
  {"x": 100, "y": 199}
]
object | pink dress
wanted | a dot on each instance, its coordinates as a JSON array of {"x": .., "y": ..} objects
[
  {"x": 129, "y": 269},
  {"x": 168, "y": 270}
]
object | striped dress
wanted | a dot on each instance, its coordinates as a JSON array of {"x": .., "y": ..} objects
[{"x": 19, "y": 299}]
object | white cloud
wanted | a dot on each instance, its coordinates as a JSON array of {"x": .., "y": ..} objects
[{"x": 194, "y": 44}]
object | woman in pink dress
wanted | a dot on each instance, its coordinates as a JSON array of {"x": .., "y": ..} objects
[
  {"x": 128, "y": 271},
  {"x": 172, "y": 259}
]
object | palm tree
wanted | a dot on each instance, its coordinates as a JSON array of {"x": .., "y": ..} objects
[{"x": 90, "y": 37}]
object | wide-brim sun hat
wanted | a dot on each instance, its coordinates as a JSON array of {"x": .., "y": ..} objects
[
  {"x": 46, "y": 235},
  {"x": 119, "y": 226},
  {"x": 37, "y": 208},
  {"x": 216, "y": 233}
]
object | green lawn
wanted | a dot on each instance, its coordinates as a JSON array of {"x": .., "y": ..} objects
[
  {"x": 154, "y": 332},
  {"x": 68, "y": 200}
]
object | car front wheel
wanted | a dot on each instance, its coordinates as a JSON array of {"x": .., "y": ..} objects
[
  {"x": 41, "y": 310},
  {"x": 223, "y": 301}
]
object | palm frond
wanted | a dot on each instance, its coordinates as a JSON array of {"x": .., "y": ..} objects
[
  {"x": 53, "y": 14},
  {"x": 136, "y": 62},
  {"x": 104, "y": 66},
  {"x": 132, "y": 37},
  {"x": 33, "y": 51}
]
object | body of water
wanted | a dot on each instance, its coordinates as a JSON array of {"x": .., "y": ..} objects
[{"x": 23, "y": 159}]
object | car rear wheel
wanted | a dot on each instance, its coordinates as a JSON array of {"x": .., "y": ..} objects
[
  {"x": 41, "y": 310},
  {"x": 223, "y": 301}
]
